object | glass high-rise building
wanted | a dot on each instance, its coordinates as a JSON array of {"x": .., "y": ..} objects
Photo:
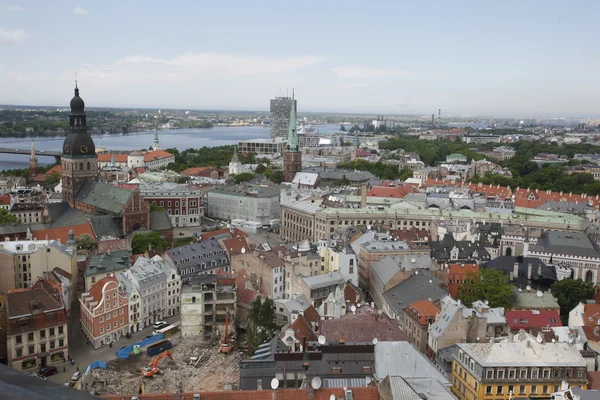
[{"x": 281, "y": 108}]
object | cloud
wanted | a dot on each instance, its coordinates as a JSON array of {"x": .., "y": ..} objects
[
  {"x": 15, "y": 8},
  {"x": 80, "y": 11},
  {"x": 12, "y": 36},
  {"x": 25, "y": 77},
  {"x": 366, "y": 72}
]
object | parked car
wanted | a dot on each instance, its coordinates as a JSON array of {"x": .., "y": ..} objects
[
  {"x": 48, "y": 371},
  {"x": 69, "y": 383},
  {"x": 76, "y": 376},
  {"x": 159, "y": 324}
]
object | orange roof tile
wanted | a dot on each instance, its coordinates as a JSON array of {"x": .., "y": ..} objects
[
  {"x": 594, "y": 380},
  {"x": 56, "y": 168},
  {"x": 591, "y": 314},
  {"x": 302, "y": 329},
  {"x": 193, "y": 171},
  {"x": 391, "y": 191},
  {"x": 422, "y": 310},
  {"x": 62, "y": 233},
  {"x": 5, "y": 199},
  {"x": 107, "y": 157},
  {"x": 155, "y": 155},
  {"x": 94, "y": 294},
  {"x": 236, "y": 245}
]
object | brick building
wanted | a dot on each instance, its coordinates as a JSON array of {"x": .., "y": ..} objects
[
  {"x": 104, "y": 312},
  {"x": 182, "y": 202}
]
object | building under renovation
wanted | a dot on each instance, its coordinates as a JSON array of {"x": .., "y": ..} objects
[{"x": 206, "y": 301}]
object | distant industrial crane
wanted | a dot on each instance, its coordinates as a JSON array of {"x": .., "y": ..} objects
[
  {"x": 152, "y": 368},
  {"x": 224, "y": 345}
]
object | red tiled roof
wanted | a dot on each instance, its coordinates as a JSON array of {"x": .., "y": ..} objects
[
  {"x": 422, "y": 310},
  {"x": 532, "y": 319},
  {"x": 56, "y": 168},
  {"x": 20, "y": 302},
  {"x": 193, "y": 171},
  {"x": 62, "y": 272},
  {"x": 235, "y": 245},
  {"x": 411, "y": 235},
  {"x": 224, "y": 231},
  {"x": 351, "y": 294},
  {"x": 113, "y": 245},
  {"x": 5, "y": 199},
  {"x": 302, "y": 329},
  {"x": 592, "y": 333},
  {"x": 140, "y": 170},
  {"x": 397, "y": 192},
  {"x": 62, "y": 233},
  {"x": 594, "y": 380},
  {"x": 94, "y": 294},
  {"x": 362, "y": 153},
  {"x": 248, "y": 296},
  {"x": 362, "y": 393},
  {"x": 155, "y": 155},
  {"x": 311, "y": 314},
  {"x": 361, "y": 327},
  {"x": 591, "y": 314},
  {"x": 107, "y": 157}
]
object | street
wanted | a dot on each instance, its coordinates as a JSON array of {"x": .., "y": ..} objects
[{"x": 83, "y": 354}]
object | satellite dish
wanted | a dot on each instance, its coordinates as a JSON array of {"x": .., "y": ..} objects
[
  {"x": 539, "y": 339},
  {"x": 539, "y": 293},
  {"x": 274, "y": 383},
  {"x": 413, "y": 260},
  {"x": 553, "y": 340},
  {"x": 321, "y": 339},
  {"x": 315, "y": 383},
  {"x": 527, "y": 287},
  {"x": 417, "y": 272},
  {"x": 243, "y": 250},
  {"x": 353, "y": 308},
  {"x": 357, "y": 305},
  {"x": 375, "y": 341}
]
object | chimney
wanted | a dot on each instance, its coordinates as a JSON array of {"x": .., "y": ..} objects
[
  {"x": 539, "y": 272},
  {"x": 363, "y": 196},
  {"x": 342, "y": 339},
  {"x": 529, "y": 267},
  {"x": 259, "y": 384},
  {"x": 516, "y": 270},
  {"x": 348, "y": 394}
]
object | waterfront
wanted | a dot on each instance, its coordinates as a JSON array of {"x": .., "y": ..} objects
[{"x": 180, "y": 139}]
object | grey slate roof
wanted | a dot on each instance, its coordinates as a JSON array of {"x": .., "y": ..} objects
[
  {"x": 506, "y": 265},
  {"x": 467, "y": 250},
  {"x": 402, "y": 359},
  {"x": 193, "y": 256},
  {"x": 160, "y": 221},
  {"x": 70, "y": 217},
  {"x": 106, "y": 225},
  {"x": 415, "y": 288},
  {"x": 55, "y": 210},
  {"x": 105, "y": 198},
  {"x": 323, "y": 280},
  {"x": 570, "y": 243},
  {"x": 385, "y": 269},
  {"x": 146, "y": 273},
  {"x": 108, "y": 263},
  {"x": 337, "y": 174}
]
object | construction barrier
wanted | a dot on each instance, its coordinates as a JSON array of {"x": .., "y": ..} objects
[{"x": 125, "y": 351}]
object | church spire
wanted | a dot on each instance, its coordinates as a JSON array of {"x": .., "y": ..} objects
[
  {"x": 235, "y": 158},
  {"x": 356, "y": 141},
  {"x": 33, "y": 161},
  {"x": 156, "y": 144},
  {"x": 292, "y": 142}
]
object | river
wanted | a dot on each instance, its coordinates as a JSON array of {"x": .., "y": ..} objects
[{"x": 180, "y": 139}]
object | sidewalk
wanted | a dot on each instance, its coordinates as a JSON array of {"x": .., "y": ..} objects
[{"x": 84, "y": 354}]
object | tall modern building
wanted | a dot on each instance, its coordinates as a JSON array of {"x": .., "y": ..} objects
[
  {"x": 292, "y": 157},
  {"x": 78, "y": 160},
  {"x": 280, "y": 116}
]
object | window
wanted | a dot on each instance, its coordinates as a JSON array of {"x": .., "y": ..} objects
[
  {"x": 101, "y": 318},
  {"x": 18, "y": 339},
  {"x": 61, "y": 342},
  {"x": 93, "y": 279},
  {"x": 546, "y": 374},
  {"x": 60, "y": 330},
  {"x": 533, "y": 389},
  {"x": 545, "y": 389},
  {"x": 499, "y": 389},
  {"x": 43, "y": 348},
  {"x": 489, "y": 374},
  {"x": 523, "y": 374},
  {"x": 101, "y": 329},
  {"x": 115, "y": 324},
  {"x": 522, "y": 389},
  {"x": 488, "y": 390},
  {"x": 51, "y": 331},
  {"x": 30, "y": 336},
  {"x": 19, "y": 353},
  {"x": 31, "y": 349},
  {"x": 512, "y": 374},
  {"x": 52, "y": 344},
  {"x": 43, "y": 333},
  {"x": 511, "y": 389},
  {"x": 534, "y": 373}
]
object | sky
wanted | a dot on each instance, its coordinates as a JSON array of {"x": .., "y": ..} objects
[{"x": 468, "y": 58}]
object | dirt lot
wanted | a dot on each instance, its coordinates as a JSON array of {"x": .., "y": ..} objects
[{"x": 213, "y": 371}]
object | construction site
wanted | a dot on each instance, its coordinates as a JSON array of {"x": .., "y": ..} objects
[{"x": 192, "y": 364}]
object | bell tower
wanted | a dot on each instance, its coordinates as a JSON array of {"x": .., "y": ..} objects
[
  {"x": 78, "y": 160},
  {"x": 292, "y": 157}
]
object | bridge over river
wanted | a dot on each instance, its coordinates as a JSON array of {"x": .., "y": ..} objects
[{"x": 54, "y": 154}]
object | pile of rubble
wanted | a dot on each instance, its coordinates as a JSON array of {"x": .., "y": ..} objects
[{"x": 196, "y": 366}]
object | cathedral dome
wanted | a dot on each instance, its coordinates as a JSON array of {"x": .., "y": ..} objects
[
  {"x": 79, "y": 144},
  {"x": 77, "y": 104}
]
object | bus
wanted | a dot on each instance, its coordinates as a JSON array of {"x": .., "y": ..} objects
[
  {"x": 159, "y": 347},
  {"x": 168, "y": 331}
]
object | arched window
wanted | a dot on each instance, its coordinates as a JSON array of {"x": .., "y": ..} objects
[
  {"x": 89, "y": 166},
  {"x": 509, "y": 251},
  {"x": 81, "y": 166},
  {"x": 589, "y": 276}
]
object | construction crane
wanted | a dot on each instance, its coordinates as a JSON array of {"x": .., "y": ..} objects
[
  {"x": 152, "y": 368},
  {"x": 224, "y": 345}
]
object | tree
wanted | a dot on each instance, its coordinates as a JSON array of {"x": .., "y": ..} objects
[
  {"x": 343, "y": 182},
  {"x": 569, "y": 293},
  {"x": 52, "y": 178},
  {"x": 261, "y": 323},
  {"x": 487, "y": 284},
  {"x": 260, "y": 169},
  {"x": 243, "y": 177},
  {"x": 86, "y": 242},
  {"x": 6, "y": 217},
  {"x": 277, "y": 176},
  {"x": 154, "y": 207},
  {"x": 141, "y": 242},
  {"x": 405, "y": 174}
]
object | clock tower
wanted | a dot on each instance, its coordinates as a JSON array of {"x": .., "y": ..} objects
[{"x": 78, "y": 160}]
